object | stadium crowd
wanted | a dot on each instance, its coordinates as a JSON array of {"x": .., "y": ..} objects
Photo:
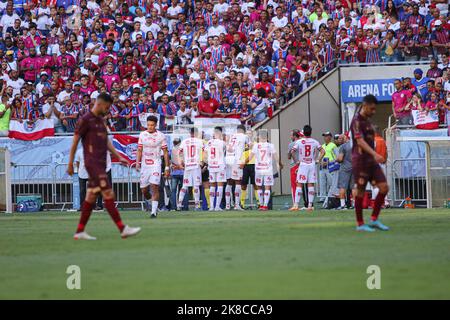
[
  {"x": 187, "y": 59},
  {"x": 428, "y": 92}
]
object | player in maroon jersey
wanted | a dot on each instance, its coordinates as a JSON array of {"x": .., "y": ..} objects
[
  {"x": 92, "y": 131},
  {"x": 366, "y": 166}
]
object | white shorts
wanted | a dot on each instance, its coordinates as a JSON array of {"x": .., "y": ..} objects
[
  {"x": 150, "y": 175},
  {"x": 192, "y": 178},
  {"x": 217, "y": 176},
  {"x": 234, "y": 172},
  {"x": 306, "y": 173},
  {"x": 263, "y": 179}
]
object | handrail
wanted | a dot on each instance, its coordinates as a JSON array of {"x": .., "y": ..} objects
[
  {"x": 296, "y": 98},
  {"x": 381, "y": 63}
]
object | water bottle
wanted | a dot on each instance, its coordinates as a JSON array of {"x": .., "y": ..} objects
[{"x": 286, "y": 206}]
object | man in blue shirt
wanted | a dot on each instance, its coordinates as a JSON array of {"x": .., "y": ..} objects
[{"x": 420, "y": 83}]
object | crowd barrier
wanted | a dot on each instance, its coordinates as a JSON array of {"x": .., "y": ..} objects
[
  {"x": 55, "y": 186},
  {"x": 412, "y": 186}
]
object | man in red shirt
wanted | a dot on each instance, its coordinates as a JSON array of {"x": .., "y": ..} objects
[
  {"x": 207, "y": 106},
  {"x": 127, "y": 69},
  {"x": 265, "y": 84}
]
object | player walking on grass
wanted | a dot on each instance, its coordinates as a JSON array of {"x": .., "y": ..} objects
[
  {"x": 309, "y": 152},
  {"x": 366, "y": 166},
  {"x": 215, "y": 150},
  {"x": 148, "y": 161},
  {"x": 191, "y": 150},
  {"x": 264, "y": 153},
  {"x": 235, "y": 150},
  {"x": 92, "y": 131}
]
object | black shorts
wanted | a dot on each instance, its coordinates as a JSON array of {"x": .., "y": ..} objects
[
  {"x": 248, "y": 173},
  {"x": 368, "y": 173},
  {"x": 205, "y": 175}
]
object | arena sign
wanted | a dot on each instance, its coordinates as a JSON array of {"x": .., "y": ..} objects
[{"x": 355, "y": 90}]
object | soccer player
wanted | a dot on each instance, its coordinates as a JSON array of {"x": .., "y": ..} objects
[
  {"x": 366, "y": 166},
  {"x": 215, "y": 150},
  {"x": 92, "y": 131},
  {"x": 293, "y": 157},
  {"x": 309, "y": 153},
  {"x": 235, "y": 149},
  {"x": 264, "y": 153},
  {"x": 191, "y": 150},
  {"x": 148, "y": 162}
]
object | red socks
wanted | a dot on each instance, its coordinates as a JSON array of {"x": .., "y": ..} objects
[
  {"x": 359, "y": 210},
  {"x": 379, "y": 201},
  {"x": 86, "y": 209},
  {"x": 112, "y": 210}
]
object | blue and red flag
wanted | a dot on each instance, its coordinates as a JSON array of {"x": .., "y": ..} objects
[{"x": 126, "y": 146}]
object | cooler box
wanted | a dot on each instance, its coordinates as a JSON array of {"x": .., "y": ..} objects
[{"x": 28, "y": 202}]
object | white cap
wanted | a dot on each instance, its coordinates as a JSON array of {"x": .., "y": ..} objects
[{"x": 438, "y": 23}]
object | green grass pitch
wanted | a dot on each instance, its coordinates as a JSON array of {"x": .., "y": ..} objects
[{"x": 230, "y": 255}]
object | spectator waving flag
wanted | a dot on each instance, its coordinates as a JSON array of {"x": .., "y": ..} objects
[
  {"x": 126, "y": 146},
  {"x": 31, "y": 130}
]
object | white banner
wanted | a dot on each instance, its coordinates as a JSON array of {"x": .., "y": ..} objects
[
  {"x": 27, "y": 130},
  {"x": 143, "y": 118},
  {"x": 425, "y": 119}
]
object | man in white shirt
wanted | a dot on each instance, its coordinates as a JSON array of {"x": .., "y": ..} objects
[
  {"x": 221, "y": 7},
  {"x": 235, "y": 149},
  {"x": 240, "y": 67},
  {"x": 150, "y": 26},
  {"x": 8, "y": 17},
  {"x": 215, "y": 150},
  {"x": 309, "y": 153},
  {"x": 15, "y": 82},
  {"x": 172, "y": 14},
  {"x": 216, "y": 29},
  {"x": 42, "y": 14},
  {"x": 264, "y": 153},
  {"x": 52, "y": 110},
  {"x": 280, "y": 20},
  {"x": 191, "y": 150},
  {"x": 148, "y": 161},
  {"x": 66, "y": 93}
]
